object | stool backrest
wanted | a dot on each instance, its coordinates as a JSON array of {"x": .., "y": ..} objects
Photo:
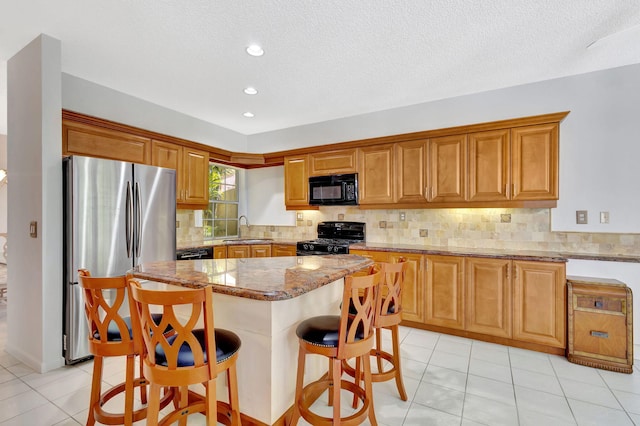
[
  {"x": 103, "y": 298},
  {"x": 358, "y": 312},
  {"x": 390, "y": 300},
  {"x": 181, "y": 311}
]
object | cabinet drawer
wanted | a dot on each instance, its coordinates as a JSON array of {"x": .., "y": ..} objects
[
  {"x": 598, "y": 334},
  {"x": 599, "y": 304}
]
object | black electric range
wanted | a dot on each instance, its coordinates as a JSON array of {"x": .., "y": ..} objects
[{"x": 334, "y": 237}]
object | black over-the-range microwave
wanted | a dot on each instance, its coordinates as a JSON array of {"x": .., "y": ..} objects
[{"x": 334, "y": 190}]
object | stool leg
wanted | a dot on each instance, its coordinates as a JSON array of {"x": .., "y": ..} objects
[
  {"x": 96, "y": 382},
  {"x": 396, "y": 362},
  {"x": 356, "y": 378},
  {"x": 184, "y": 402},
  {"x": 335, "y": 391},
  {"x": 331, "y": 383},
  {"x": 128, "y": 390},
  {"x": 153, "y": 409},
  {"x": 379, "y": 348},
  {"x": 143, "y": 388},
  {"x": 368, "y": 388},
  {"x": 234, "y": 400},
  {"x": 211, "y": 403},
  {"x": 295, "y": 415}
]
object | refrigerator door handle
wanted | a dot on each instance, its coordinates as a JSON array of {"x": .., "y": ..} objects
[
  {"x": 138, "y": 221},
  {"x": 128, "y": 219}
]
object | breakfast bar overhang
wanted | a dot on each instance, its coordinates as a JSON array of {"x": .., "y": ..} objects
[{"x": 263, "y": 300}]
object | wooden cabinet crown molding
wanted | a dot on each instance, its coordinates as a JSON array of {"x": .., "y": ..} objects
[{"x": 248, "y": 160}]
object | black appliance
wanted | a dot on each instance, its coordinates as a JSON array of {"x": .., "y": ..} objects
[
  {"x": 195, "y": 253},
  {"x": 334, "y": 190},
  {"x": 333, "y": 238}
]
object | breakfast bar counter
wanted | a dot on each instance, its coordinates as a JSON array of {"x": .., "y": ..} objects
[{"x": 263, "y": 300}]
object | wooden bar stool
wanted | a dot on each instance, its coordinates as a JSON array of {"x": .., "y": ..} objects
[
  {"x": 389, "y": 316},
  {"x": 110, "y": 335},
  {"x": 185, "y": 358},
  {"x": 340, "y": 337}
]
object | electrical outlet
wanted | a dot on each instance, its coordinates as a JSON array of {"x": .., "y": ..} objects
[
  {"x": 341, "y": 216},
  {"x": 300, "y": 216},
  {"x": 424, "y": 232},
  {"x": 604, "y": 217},
  {"x": 582, "y": 217},
  {"x": 403, "y": 217},
  {"x": 383, "y": 224},
  {"x": 505, "y": 218},
  {"x": 309, "y": 222}
]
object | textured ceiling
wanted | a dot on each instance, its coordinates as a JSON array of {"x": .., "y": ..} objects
[{"x": 324, "y": 59}]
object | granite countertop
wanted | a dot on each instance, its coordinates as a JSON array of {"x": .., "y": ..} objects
[
  {"x": 546, "y": 256},
  {"x": 261, "y": 278}
]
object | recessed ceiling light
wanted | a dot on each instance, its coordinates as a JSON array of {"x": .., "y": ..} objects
[
  {"x": 251, "y": 91},
  {"x": 248, "y": 114},
  {"x": 255, "y": 50}
]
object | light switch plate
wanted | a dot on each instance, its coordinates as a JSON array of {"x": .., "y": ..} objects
[
  {"x": 582, "y": 217},
  {"x": 604, "y": 217}
]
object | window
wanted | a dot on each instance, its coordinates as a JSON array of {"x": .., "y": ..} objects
[{"x": 221, "y": 218}]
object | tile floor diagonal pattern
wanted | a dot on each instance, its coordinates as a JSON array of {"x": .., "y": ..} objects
[{"x": 449, "y": 380}]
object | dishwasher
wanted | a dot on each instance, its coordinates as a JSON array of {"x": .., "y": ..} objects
[{"x": 195, "y": 253}]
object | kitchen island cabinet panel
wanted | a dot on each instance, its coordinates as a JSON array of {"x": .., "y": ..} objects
[
  {"x": 444, "y": 291},
  {"x": 488, "y": 296},
  {"x": 540, "y": 303}
]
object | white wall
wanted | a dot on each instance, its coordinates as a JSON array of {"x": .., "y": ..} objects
[
  {"x": 599, "y": 143},
  {"x": 34, "y": 315},
  {"x": 264, "y": 189},
  {"x": 92, "y": 99}
]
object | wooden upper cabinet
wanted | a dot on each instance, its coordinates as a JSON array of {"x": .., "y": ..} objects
[
  {"x": 376, "y": 173},
  {"x": 445, "y": 291},
  {"x": 296, "y": 181},
  {"x": 488, "y": 296},
  {"x": 447, "y": 169},
  {"x": 539, "y": 312},
  {"x": 192, "y": 170},
  {"x": 534, "y": 162},
  {"x": 93, "y": 141},
  {"x": 411, "y": 171},
  {"x": 489, "y": 166},
  {"x": 333, "y": 162}
]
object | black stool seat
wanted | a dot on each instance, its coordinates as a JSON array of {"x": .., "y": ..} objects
[
  {"x": 227, "y": 344},
  {"x": 323, "y": 330}
]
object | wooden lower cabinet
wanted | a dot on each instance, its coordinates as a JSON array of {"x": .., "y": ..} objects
[
  {"x": 260, "y": 250},
  {"x": 220, "y": 252},
  {"x": 238, "y": 251},
  {"x": 283, "y": 250},
  {"x": 488, "y": 304},
  {"x": 539, "y": 295},
  {"x": 444, "y": 293},
  {"x": 412, "y": 288}
]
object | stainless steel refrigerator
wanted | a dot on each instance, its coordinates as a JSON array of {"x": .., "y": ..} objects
[{"x": 116, "y": 216}]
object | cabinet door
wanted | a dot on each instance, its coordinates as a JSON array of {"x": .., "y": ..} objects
[
  {"x": 539, "y": 312},
  {"x": 489, "y": 166},
  {"x": 488, "y": 296},
  {"x": 534, "y": 162},
  {"x": 444, "y": 291},
  {"x": 376, "y": 174},
  {"x": 410, "y": 166},
  {"x": 296, "y": 181},
  {"x": 195, "y": 176},
  {"x": 220, "y": 252},
  {"x": 282, "y": 250},
  {"x": 376, "y": 256},
  {"x": 93, "y": 141},
  {"x": 447, "y": 168},
  {"x": 237, "y": 251},
  {"x": 261, "y": 250},
  {"x": 412, "y": 287},
  {"x": 165, "y": 154},
  {"x": 333, "y": 162}
]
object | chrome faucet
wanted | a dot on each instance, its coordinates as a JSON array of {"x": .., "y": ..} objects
[{"x": 246, "y": 221}]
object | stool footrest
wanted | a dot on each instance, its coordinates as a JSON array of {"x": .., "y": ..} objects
[
  {"x": 102, "y": 416},
  {"x": 312, "y": 391}
]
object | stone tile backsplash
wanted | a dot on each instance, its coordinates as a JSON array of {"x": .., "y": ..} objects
[{"x": 528, "y": 229}]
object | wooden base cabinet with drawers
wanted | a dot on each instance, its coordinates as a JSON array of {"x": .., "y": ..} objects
[{"x": 600, "y": 321}]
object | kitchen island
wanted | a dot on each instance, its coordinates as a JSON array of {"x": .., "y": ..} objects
[{"x": 263, "y": 300}]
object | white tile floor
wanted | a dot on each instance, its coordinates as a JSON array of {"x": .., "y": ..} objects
[{"x": 450, "y": 381}]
